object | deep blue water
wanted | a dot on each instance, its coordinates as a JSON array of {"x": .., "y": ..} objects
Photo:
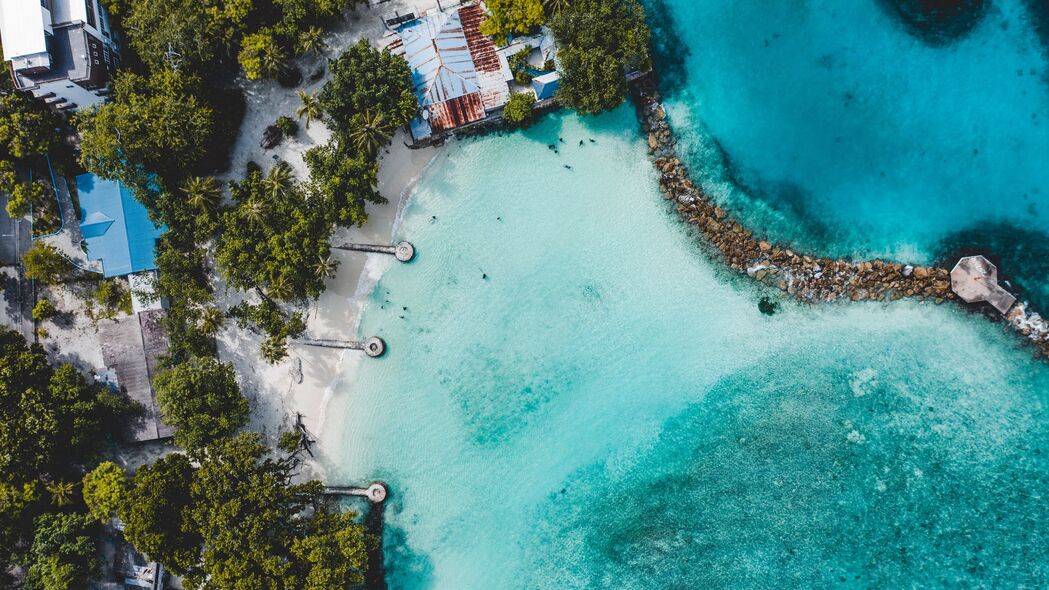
[
  {"x": 574, "y": 397},
  {"x": 829, "y": 125}
]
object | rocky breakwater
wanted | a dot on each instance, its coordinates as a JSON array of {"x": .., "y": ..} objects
[{"x": 806, "y": 278}]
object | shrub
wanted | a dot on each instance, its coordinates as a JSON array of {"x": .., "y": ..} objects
[
  {"x": 43, "y": 262},
  {"x": 288, "y": 127},
  {"x": 523, "y": 78},
  {"x": 518, "y": 111},
  {"x": 43, "y": 310}
]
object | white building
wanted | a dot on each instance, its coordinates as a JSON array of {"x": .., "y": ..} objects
[{"x": 63, "y": 51}]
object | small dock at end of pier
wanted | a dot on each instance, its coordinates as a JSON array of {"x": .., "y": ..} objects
[
  {"x": 373, "y": 347},
  {"x": 375, "y": 493},
  {"x": 403, "y": 251},
  {"x": 975, "y": 280}
]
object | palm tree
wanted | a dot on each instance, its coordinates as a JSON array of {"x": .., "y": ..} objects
[
  {"x": 273, "y": 349},
  {"x": 272, "y": 62},
  {"x": 280, "y": 288},
  {"x": 325, "y": 266},
  {"x": 370, "y": 132},
  {"x": 253, "y": 211},
  {"x": 310, "y": 109},
  {"x": 61, "y": 492},
  {"x": 312, "y": 41},
  {"x": 279, "y": 180},
  {"x": 555, "y": 6},
  {"x": 203, "y": 193},
  {"x": 211, "y": 321}
]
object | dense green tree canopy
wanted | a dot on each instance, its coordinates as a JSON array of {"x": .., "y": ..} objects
[
  {"x": 189, "y": 34},
  {"x": 511, "y": 17},
  {"x": 201, "y": 400},
  {"x": 152, "y": 125},
  {"x": 366, "y": 79},
  {"x": 50, "y": 418},
  {"x": 63, "y": 553},
  {"x": 256, "y": 533},
  {"x": 155, "y": 512},
  {"x": 21, "y": 195},
  {"x": 344, "y": 181},
  {"x": 601, "y": 41},
  {"x": 273, "y": 236},
  {"x": 27, "y": 128}
]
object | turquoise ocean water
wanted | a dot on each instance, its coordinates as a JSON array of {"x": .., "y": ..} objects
[{"x": 575, "y": 398}]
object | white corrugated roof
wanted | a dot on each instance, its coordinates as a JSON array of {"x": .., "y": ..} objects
[{"x": 22, "y": 28}]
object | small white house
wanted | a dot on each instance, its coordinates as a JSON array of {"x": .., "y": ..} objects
[{"x": 62, "y": 51}]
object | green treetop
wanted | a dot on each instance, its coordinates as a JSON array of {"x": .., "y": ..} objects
[
  {"x": 201, "y": 400},
  {"x": 366, "y": 79},
  {"x": 63, "y": 553},
  {"x": 518, "y": 110},
  {"x": 155, "y": 510},
  {"x": 105, "y": 490},
  {"x": 50, "y": 418},
  {"x": 271, "y": 239},
  {"x": 601, "y": 41},
  {"x": 186, "y": 33},
  {"x": 27, "y": 128},
  {"x": 152, "y": 125},
  {"x": 511, "y": 17}
]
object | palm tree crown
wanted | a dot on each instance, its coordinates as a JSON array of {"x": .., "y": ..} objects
[
  {"x": 203, "y": 193},
  {"x": 312, "y": 41},
  {"x": 279, "y": 180},
  {"x": 370, "y": 132},
  {"x": 310, "y": 109}
]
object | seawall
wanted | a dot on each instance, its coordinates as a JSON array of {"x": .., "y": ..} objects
[{"x": 807, "y": 278}]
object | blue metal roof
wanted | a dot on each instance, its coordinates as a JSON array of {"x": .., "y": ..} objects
[
  {"x": 116, "y": 227},
  {"x": 545, "y": 86}
]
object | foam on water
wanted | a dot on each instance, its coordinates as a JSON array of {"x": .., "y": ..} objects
[{"x": 575, "y": 398}]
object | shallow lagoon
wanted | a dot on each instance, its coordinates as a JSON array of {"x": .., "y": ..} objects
[{"x": 574, "y": 397}]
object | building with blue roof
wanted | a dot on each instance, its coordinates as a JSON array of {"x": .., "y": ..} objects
[
  {"x": 546, "y": 85},
  {"x": 116, "y": 227}
]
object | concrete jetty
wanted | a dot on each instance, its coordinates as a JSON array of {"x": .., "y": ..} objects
[
  {"x": 813, "y": 279},
  {"x": 403, "y": 251},
  {"x": 975, "y": 280},
  {"x": 373, "y": 347},
  {"x": 375, "y": 493}
]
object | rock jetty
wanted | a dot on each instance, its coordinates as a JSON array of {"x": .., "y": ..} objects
[{"x": 806, "y": 278}]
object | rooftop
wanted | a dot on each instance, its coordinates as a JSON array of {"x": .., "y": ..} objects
[
  {"x": 116, "y": 227},
  {"x": 457, "y": 75},
  {"x": 22, "y": 26},
  {"x": 975, "y": 280}
]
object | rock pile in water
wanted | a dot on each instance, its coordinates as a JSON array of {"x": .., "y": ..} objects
[{"x": 809, "y": 279}]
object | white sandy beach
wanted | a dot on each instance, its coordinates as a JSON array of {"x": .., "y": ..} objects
[{"x": 303, "y": 382}]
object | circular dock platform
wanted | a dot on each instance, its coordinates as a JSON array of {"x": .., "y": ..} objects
[
  {"x": 377, "y": 492},
  {"x": 374, "y": 346},
  {"x": 404, "y": 251}
]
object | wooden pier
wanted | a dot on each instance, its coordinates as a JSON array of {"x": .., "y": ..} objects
[
  {"x": 375, "y": 493},
  {"x": 373, "y": 347},
  {"x": 403, "y": 251}
]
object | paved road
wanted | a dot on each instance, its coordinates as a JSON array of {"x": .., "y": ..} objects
[
  {"x": 15, "y": 236},
  {"x": 18, "y": 298}
]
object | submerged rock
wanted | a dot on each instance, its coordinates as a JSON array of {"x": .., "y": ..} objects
[
  {"x": 767, "y": 306},
  {"x": 938, "y": 21}
]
